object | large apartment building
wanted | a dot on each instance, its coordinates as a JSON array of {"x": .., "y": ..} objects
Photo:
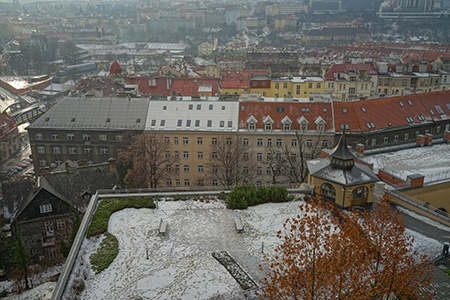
[{"x": 220, "y": 143}]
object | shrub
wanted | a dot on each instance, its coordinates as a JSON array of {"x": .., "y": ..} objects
[
  {"x": 107, "y": 207},
  {"x": 243, "y": 196},
  {"x": 106, "y": 253},
  {"x": 222, "y": 196}
]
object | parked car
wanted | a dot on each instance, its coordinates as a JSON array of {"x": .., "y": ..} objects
[
  {"x": 23, "y": 165},
  {"x": 28, "y": 160}
]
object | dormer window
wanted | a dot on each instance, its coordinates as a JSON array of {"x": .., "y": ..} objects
[
  {"x": 303, "y": 123},
  {"x": 287, "y": 123},
  {"x": 268, "y": 123},
  {"x": 251, "y": 122},
  {"x": 320, "y": 124}
]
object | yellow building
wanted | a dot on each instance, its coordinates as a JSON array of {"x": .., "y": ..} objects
[
  {"x": 341, "y": 180},
  {"x": 296, "y": 87}
]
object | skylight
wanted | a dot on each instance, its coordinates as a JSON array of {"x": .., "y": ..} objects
[
  {"x": 363, "y": 109},
  {"x": 401, "y": 103}
]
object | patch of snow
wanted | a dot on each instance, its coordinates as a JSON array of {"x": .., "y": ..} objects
[
  {"x": 40, "y": 292},
  {"x": 423, "y": 219}
]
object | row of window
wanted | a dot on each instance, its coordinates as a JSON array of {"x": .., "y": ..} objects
[
  {"x": 85, "y": 136},
  {"x": 56, "y": 150},
  {"x": 201, "y": 182}
]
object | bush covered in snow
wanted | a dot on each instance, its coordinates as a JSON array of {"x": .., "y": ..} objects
[
  {"x": 243, "y": 196},
  {"x": 107, "y": 207}
]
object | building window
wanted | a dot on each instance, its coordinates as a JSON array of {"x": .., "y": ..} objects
[
  {"x": 119, "y": 138},
  {"x": 104, "y": 151},
  {"x": 72, "y": 150},
  {"x": 304, "y": 126},
  {"x": 200, "y": 155},
  {"x": 259, "y": 171},
  {"x": 324, "y": 143},
  {"x": 209, "y": 123},
  {"x": 294, "y": 142},
  {"x": 175, "y": 140},
  {"x": 269, "y": 156},
  {"x": 87, "y": 150},
  {"x": 214, "y": 169},
  {"x": 251, "y": 126},
  {"x": 268, "y": 171},
  {"x": 54, "y": 136},
  {"x": 374, "y": 141},
  {"x": 185, "y": 154},
  {"x": 167, "y": 140},
  {"x": 269, "y": 142},
  {"x": 200, "y": 169},
  {"x": 185, "y": 141},
  {"x": 56, "y": 150},
  {"x": 191, "y": 106},
  {"x": 45, "y": 208},
  {"x": 310, "y": 85},
  {"x": 86, "y": 137},
  {"x": 309, "y": 143},
  {"x": 259, "y": 156},
  {"x": 385, "y": 140},
  {"x": 49, "y": 227},
  {"x": 279, "y": 142},
  {"x": 245, "y": 141},
  {"x": 70, "y": 136},
  {"x": 321, "y": 127},
  {"x": 228, "y": 141},
  {"x": 214, "y": 141},
  {"x": 396, "y": 138},
  {"x": 41, "y": 149},
  {"x": 162, "y": 123},
  {"x": 169, "y": 182},
  {"x": 297, "y": 90},
  {"x": 102, "y": 137},
  {"x": 199, "y": 141},
  {"x": 268, "y": 126},
  {"x": 177, "y": 182},
  {"x": 287, "y": 126},
  {"x": 214, "y": 155},
  {"x": 179, "y": 122},
  {"x": 188, "y": 123},
  {"x": 246, "y": 156},
  {"x": 259, "y": 142},
  {"x": 60, "y": 224},
  {"x": 199, "y": 106},
  {"x": 39, "y": 136},
  {"x": 186, "y": 168},
  {"x": 230, "y": 124},
  {"x": 167, "y": 154},
  {"x": 245, "y": 170},
  {"x": 197, "y": 123},
  {"x": 42, "y": 163},
  {"x": 214, "y": 182},
  {"x": 211, "y": 107},
  {"x": 222, "y": 124}
]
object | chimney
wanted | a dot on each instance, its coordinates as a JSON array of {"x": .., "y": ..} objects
[
  {"x": 415, "y": 180},
  {"x": 447, "y": 136},
  {"x": 360, "y": 148},
  {"x": 420, "y": 140},
  {"x": 112, "y": 164},
  {"x": 428, "y": 139}
]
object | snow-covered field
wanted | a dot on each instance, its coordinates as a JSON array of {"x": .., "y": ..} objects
[
  {"x": 180, "y": 264},
  {"x": 433, "y": 162}
]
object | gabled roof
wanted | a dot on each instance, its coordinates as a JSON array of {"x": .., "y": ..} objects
[
  {"x": 342, "y": 68},
  {"x": 233, "y": 79}
]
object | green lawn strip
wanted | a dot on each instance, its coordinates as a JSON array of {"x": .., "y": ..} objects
[
  {"x": 245, "y": 281},
  {"x": 109, "y": 247}
]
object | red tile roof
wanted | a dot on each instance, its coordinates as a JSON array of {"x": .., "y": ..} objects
[
  {"x": 385, "y": 113},
  {"x": 164, "y": 86},
  {"x": 294, "y": 110},
  {"x": 235, "y": 79}
]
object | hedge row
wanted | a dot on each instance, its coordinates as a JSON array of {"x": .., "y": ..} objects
[
  {"x": 107, "y": 207},
  {"x": 244, "y": 196}
]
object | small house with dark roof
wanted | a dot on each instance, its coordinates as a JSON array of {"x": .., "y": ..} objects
[{"x": 340, "y": 179}]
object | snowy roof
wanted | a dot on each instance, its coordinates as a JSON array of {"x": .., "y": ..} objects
[
  {"x": 358, "y": 174},
  {"x": 193, "y": 115}
]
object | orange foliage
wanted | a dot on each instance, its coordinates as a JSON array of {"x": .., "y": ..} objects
[{"x": 329, "y": 254}]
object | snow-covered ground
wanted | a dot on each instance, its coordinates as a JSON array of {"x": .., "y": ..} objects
[
  {"x": 433, "y": 162},
  {"x": 180, "y": 264}
]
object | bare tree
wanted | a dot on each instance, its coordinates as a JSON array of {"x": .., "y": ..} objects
[
  {"x": 275, "y": 164},
  {"x": 297, "y": 151},
  {"x": 151, "y": 160},
  {"x": 231, "y": 161}
]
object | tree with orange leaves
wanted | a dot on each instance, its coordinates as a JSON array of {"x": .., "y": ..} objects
[{"x": 326, "y": 253}]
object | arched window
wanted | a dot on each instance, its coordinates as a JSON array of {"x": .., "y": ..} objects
[
  {"x": 360, "y": 193},
  {"x": 328, "y": 191}
]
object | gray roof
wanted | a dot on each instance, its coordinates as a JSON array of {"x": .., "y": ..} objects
[
  {"x": 356, "y": 175},
  {"x": 95, "y": 113}
]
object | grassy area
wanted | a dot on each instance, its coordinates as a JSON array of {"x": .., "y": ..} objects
[
  {"x": 106, "y": 253},
  {"x": 447, "y": 271},
  {"x": 107, "y": 207},
  {"x": 109, "y": 247}
]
